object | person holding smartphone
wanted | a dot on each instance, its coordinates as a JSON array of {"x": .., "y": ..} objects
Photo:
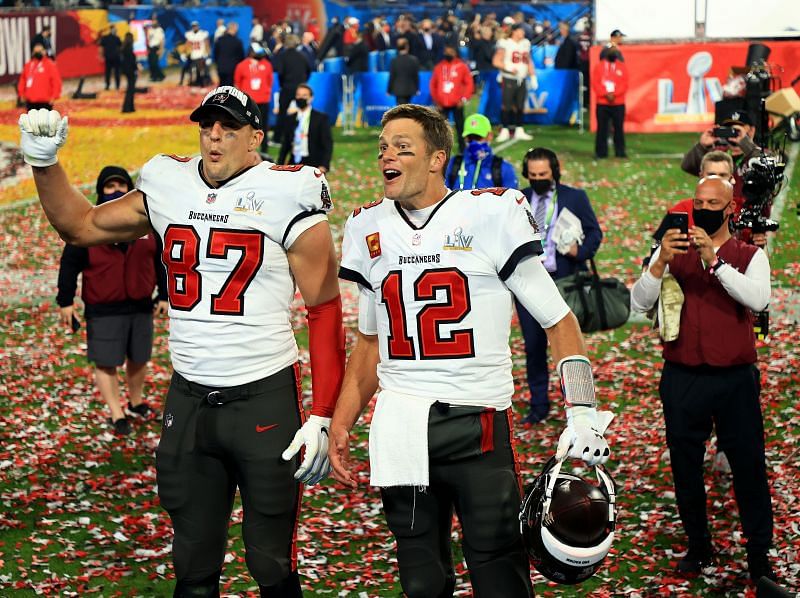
[
  {"x": 710, "y": 377},
  {"x": 117, "y": 292}
]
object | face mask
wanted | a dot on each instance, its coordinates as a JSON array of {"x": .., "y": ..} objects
[
  {"x": 541, "y": 186},
  {"x": 38, "y": 55},
  {"x": 449, "y": 57},
  {"x": 110, "y": 196},
  {"x": 302, "y": 103},
  {"x": 478, "y": 150},
  {"x": 709, "y": 220}
]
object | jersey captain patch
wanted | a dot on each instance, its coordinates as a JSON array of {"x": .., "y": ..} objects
[{"x": 374, "y": 245}]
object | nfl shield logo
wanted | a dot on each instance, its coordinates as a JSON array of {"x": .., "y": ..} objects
[{"x": 212, "y": 197}]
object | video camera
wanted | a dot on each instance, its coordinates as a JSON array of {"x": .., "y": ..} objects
[{"x": 762, "y": 181}]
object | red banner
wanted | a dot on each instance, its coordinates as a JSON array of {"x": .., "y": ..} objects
[
  {"x": 73, "y": 37},
  {"x": 673, "y": 87}
]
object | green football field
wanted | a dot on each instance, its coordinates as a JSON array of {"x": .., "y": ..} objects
[{"x": 79, "y": 513}]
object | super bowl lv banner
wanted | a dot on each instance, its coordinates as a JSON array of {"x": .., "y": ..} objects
[
  {"x": 74, "y": 35},
  {"x": 673, "y": 87}
]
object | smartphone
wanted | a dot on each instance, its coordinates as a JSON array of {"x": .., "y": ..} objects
[
  {"x": 76, "y": 325},
  {"x": 724, "y": 132},
  {"x": 678, "y": 220}
]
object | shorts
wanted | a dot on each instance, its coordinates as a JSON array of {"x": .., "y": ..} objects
[{"x": 113, "y": 338}]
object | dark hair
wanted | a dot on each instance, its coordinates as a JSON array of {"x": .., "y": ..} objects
[
  {"x": 542, "y": 153},
  {"x": 438, "y": 134},
  {"x": 308, "y": 87}
]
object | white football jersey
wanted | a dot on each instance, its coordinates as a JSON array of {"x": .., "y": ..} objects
[
  {"x": 228, "y": 274},
  {"x": 516, "y": 57},
  {"x": 197, "y": 43},
  {"x": 443, "y": 311}
]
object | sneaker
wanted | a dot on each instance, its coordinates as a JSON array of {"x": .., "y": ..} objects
[
  {"x": 142, "y": 410},
  {"x": 759, "y": 566},
  {"x": 522, "y": 135},
  {"x": 122, "y": 427},
  {"x": 504, "y": 135},
  {"x": 696, "y": 559}
]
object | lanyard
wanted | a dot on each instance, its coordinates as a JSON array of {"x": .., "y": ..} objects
[
  {"x": 462, "y": 173},
  {"x": 551, "y": 211}
]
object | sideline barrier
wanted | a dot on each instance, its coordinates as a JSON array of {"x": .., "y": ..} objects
[
  {"x": 375, "y": 101},
  {"x": 555, "y": 102},
  {"x": 327, "y": 96}
]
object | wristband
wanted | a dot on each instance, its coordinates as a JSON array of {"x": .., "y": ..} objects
[
  {"x": 716, "y": 265},
  {"x": 577, "y": 381}
]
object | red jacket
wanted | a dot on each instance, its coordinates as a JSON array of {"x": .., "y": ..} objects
[
  {"x": 40, "y": 81},
  {"x": 612, "y": 75},
  {"x": 254, "y": 77},
  {"x": 716, "y": 329},
  {"x": 451, "y": 82}
]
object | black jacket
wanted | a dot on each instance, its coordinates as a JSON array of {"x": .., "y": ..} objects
[
  {"x": 567, "y": 55},
  {"x": 112, "y": 45},
  {"x": 404, "y": 75},
  {"x": 357, "y": 59},
  {"x": 228, "y": 52},
  {"x": 292, "y": 69},
  {"x": 429, "y": 58},
  {"x": 320, "y": 140},
  {"x": 482, "y": 54}
]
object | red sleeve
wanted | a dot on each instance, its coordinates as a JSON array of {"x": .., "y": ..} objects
[
  {"x": 327, "y": 354},
  {"x": 434, "y": 86},
  {"x": 238, "y": 76},
  {"x": 56, "y": 76},
  {"x": 597, "y": 83},
  {"x": 622, "y": 80}
]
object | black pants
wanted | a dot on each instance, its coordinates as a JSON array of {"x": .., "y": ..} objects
[
  {"x": 513, "y": 102},
  {"x": 206, "y": 451},
  {"x": 536, "y": 361},
  {"x": 225, "y": 78},
  {"x": 458, "y": 117},
  {"x": 264, "y": 125},
  {"x": 284, "y": 99},
  {"x": 112, "y": 66},
  {"x": 130, "y": 90},
  {"x": 472, "y": 470},
  {"x": 402, "y": 99},
  {"x": 728, "y": 399},
  {"x": 615, "y": 115},
  {"x": 152, "y": 61}
]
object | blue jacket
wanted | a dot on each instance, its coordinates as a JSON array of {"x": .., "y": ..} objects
[
  {"x": 484, "y": 180},
  {"x": 578, "y": 203}
]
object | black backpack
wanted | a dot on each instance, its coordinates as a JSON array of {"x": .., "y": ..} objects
[{"x": 497, "y": 171}]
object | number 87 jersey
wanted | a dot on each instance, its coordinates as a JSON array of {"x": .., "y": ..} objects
[
  {"x": 441, "y": 309},
  {"x": 224, "y": 248}
]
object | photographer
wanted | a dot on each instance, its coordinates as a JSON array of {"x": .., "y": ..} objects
[
  {"x": 734, "y": 135},
  {"x": 710, "y": 378}
]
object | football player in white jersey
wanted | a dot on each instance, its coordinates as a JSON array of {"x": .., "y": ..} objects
[
  {"x": 436, "y": 271},
  {"x": 238, "y": 234},
  {"x": 513, "y": 59}
]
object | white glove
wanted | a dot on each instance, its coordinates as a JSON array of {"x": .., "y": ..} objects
[
  {"x": 314, "y": 435},
  {"x": 533, "y": 83},
  {"x": 583, "y": 436},
  {"x": 42, "y": 133}
]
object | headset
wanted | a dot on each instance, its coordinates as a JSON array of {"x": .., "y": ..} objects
[{"x": 542, "y": 153}]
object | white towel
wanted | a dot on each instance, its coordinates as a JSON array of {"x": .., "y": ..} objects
[{"x": 398, "y": 440}]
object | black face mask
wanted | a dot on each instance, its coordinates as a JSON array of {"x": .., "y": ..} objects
[
  {"x": 38, "y": 55},
  {"x": 709, "y": 220},
  {"x": 449, "y": 57},
  {"x": 302, "y": 103},
  {"x": 541, "y": 186}
]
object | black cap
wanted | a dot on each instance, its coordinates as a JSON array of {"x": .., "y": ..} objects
[
  {"x": 616, "y": 33},
  {"x": 733, "y": 116},
  {"x": 109, "y": 173},
  {"x": 233, "y": 101}
]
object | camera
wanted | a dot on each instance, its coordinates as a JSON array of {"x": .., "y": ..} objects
[
  {"x": 763, "y": 180},
  {"x": 724, "y": 132}
]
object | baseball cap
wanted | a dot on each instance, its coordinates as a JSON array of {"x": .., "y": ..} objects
[
  {"x": 477, "y": 124},
  {"x": 257, "y": 49},
  {"x": 734, "y": 116},
  {"x": 616, "y": 33},
  {"x": 233, "y": 101},
  {"x": 193, "y": 23},
  {"x": 508, "y": 20}
]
